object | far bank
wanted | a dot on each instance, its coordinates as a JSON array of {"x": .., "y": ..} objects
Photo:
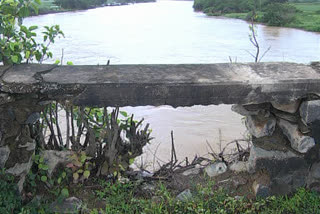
[{"x": 280, "y": 13}]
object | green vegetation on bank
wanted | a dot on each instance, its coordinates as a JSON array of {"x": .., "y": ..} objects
[
  {"x": 271, "y": 12},
  {"x": 118, "y": 197},
  {"x": 53, "y": 6}
]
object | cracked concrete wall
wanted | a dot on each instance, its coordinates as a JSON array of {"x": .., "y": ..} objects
[{"x": 268, "y": 94}]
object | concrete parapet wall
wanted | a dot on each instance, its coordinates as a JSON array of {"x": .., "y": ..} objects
[{"x": 279, "y": 100}]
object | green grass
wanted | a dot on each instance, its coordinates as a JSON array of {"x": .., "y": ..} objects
[
  {"x": 120, "y": 199},
  {"x": 308, "y": 17},
  {"x": 307, "y": 7},
  {"x": 124, "y": 198},
  {"x": 237, "y": 15}
]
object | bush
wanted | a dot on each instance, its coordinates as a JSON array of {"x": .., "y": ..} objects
[
  {"x": 278, "y": 14},
  {"x": 10, "y": 201},
  {"x": 223, "y": 6},
  {"x": 79, "y": 4}
]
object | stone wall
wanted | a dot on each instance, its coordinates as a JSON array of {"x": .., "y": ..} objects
[
  {"x": 284, "y": 138},
  {"x": 16, "y": 142}
]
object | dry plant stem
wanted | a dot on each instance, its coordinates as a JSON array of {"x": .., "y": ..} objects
[
  {"x": 173, "y": 152},
  {"x": 154, "y": 156},
  {"x": 57, "y": 125},
  {"x": 52, "y": 135},
  {"x": 254, "y": 41},
  {"x": 72, "y": 124},
  {"x": 68, "y": 127}
]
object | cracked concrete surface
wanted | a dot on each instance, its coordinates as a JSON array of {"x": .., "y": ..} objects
[{"x": 175, "y": 85}]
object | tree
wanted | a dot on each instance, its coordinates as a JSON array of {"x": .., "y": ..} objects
[{"x": 17, "y": 42}]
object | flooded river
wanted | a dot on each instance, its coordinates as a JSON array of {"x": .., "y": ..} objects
[{"x": 171, "y": 32}]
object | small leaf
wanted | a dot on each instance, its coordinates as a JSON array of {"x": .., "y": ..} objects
[
  {"x": 65, "y": 192},
  {"x": 27, "y": 54},
  {"x": 59, "y": 180},
  {"x": 125, "y": 114},
  {"x": 41, "y": 160},
  {"x": 64, "y": 174},
  {"x": 70, "y": 165},
  {"x": 45, "y": 167},
  {"x": 34, "y": 27},
  {"x": 57, "y": 62},
  {"x": 86, "y": 174},
  {"x": 75, "y": 176},
  {"x": 131, "y": 161},
  {"x": 15, "y": 58},
  {"x": 44, "y": 178},
  {"x": 83, "y": 158},
  {"x": 69, "y": 63},
  {"x": 11, "y": 45}
]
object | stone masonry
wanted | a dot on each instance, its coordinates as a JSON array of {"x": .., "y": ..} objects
[{"x": 283, "y": 143}]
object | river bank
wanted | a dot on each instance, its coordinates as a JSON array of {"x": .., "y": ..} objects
[
  {"x": 50, "y": 6},
  {"x": 305, "y": 16}
]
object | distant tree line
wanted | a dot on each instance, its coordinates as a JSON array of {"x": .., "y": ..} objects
[
  {"x": 86, "y": 4},
  {"x": 272, "y": 12}
]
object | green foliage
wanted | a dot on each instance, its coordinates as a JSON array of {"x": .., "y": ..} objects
[
  {"x": 17, "y": 42},
  {"x": 278, "y": 14},
  {"x": 80, "y": 166},
  {"x": 120, "y": 199},
  {"x": 223, "y": 6},
  {"x": 10, "y": 201},
  {"x": 79, "y": 4}
]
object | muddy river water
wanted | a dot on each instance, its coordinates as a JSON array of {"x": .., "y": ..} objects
[{"x": 171, "y": 32}]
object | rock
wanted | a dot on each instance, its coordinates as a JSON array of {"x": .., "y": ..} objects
[
  {"x": 299, "y": 142},
  {"x": 215, "y": 169},
  {"x": 238, "y": 197},
  {"x": 140, "y": 175},
  {"x": 70, "y": 205},
  {"x": 20, "y": 170},
  {"x": 277, "y": 141},
  {"x": 313, "y": 179},
  {"x": 274, "y": 162},
  {"x": 4, "y": 155},
  {"x": 243, "y": 111},
  {"x": 286, "y": 116},
  {"x": 239, "y": 166},
  {"x": 239, "y": 181},
  {"x": 290, "y": 107},
  {"x": 310, "y": 111},
  {"x": 156, "y": 199},
  {"x": 148, "y": 187},
  {"x": 33, "y": 118},
  {"x": 192, "y": 171},
  {"x": 260, "y": 190},
  {"x": 315, "y": 131},
  {"x": 184, "y": 196},
  {"x": 54, "y": 158},
  {"x": 282, "y": 185},
  {"x": 260, "y": 126},
  {"x": 304, "y": 129}
]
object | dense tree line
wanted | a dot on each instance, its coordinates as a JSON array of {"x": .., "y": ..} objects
[
  {"x": 79, "y": 4},
  {"x": 273, "y": 12}
]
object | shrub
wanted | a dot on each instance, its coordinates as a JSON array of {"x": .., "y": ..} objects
[
  {"x": 223, "y": 6},
  {"x": 278, "y": 14},
  {"x": 79, "y": 4},
  {"x": 10, "y": 201}
]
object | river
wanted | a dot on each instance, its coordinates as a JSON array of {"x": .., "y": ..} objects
[{"x": 171, "y": 32}]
